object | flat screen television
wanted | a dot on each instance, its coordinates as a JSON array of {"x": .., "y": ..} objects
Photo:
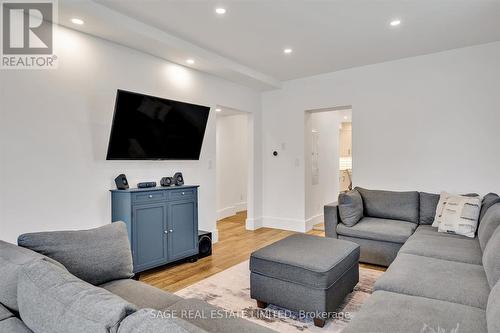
[{"x": 152, "y": 128}]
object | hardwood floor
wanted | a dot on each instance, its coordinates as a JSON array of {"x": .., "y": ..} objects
[{"x": 235, "y": 245}]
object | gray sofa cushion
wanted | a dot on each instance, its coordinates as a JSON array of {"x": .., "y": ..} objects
[
  {"x": 96, "y": 256},
  {"x": 488, "y": 225},
  {"x": 428, "y": 205},
  {"x": 465, "y": 250},
  {"x": 13, "y": 325},
  {"x": 300, "y": 258},
  {"x": 430, "y": 277},
  {"x": 390, "y": 205},
  {"x": 4, "y": 313},
  {"x": 140, "y": 294},
  {"x": 213, "y": 319},
  {"x": 491, "y": 258},
  {"x": 379, "y": 229},
  {"x": 52, "y": 300},
  {"x": 493, "y": 309},
  {"x": 12, "y": 258},
  {"x": 152, "y": 321},
  {"x": 350, "y": 207},
  {"x": 375, "y": 252},
  {"x": 488, "y": 200},
  {"x": 385, "y": 312},
  {"x": 429, "y": 230}
]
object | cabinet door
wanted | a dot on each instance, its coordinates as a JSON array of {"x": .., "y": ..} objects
[
  {"x": 183, "y": 229},
  {"x": 150, "y": 238}
]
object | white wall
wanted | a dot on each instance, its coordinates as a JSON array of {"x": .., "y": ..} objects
[
  {"x": 54, "y": 129},
  {"x": 326, "y": 125},
  {"x": 425, "y": 123},
  {"x": 232, "y": 164}
]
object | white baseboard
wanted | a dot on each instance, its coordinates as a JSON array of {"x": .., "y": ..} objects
[
  {"x": 310, "y": 222},
  {"x": 231, "y": 210},
  {"x": 253, "y": 224},
  {"x": 215, "y": 236},
  {"x": 284, "y": 223},
  {"x": 241, "y": 206},
  {"x": 225, "y": 212}
]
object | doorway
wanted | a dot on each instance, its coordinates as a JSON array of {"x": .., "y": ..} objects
[
  {"x": 328, "y": 160},
  {"x": 232, "y": 163},
  {"x": 345, "y": 152}
]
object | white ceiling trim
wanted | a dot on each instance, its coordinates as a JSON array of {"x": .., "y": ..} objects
[{"x": 103, "y": 22}]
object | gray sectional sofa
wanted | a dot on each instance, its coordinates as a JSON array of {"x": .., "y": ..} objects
[
  {"x": 436, "y": 282},
  {"x": 81, "y": 282},
  {"x": 389, "y": 219}
]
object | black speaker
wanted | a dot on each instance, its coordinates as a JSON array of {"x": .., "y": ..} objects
[
  {"x": 178, "y": 179},
  {"x": 146, "y": 184},
  {"x": 167, "y": 181},
  {"x": 121, "y": 182},
  {"x": 204, "y": 244}
]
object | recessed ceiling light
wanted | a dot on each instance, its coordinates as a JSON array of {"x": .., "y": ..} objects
[
  {"x": 190, "y": 61},
  {"x": 395, "y": 23},
  {"x": 287, "y": 51},
  {"x": 218, "y": 109},
  {"x": 220, "y": 11},
  {"x": 77, "y": 21}
]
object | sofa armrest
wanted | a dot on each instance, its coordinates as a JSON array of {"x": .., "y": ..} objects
[
  {"x": 331, "y": 213},
  {"x": 164, "y": 321}
]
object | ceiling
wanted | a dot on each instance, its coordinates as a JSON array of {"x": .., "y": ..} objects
[{"x": 326, "y": 35}]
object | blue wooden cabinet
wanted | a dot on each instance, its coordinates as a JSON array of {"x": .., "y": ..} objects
[{"x": 162, "y": 223}]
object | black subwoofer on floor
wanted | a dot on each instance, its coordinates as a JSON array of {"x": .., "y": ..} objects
[{"x": 204, "y": 244}]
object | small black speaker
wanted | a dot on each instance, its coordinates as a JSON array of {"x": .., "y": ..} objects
[
  {"x": 178, "y": 179},
  {"x": 121, "y": 182},
  {"x": 167, "y": 181},
  {"x": 146, "y": 184},
  {"x": 204, "y": 244}
]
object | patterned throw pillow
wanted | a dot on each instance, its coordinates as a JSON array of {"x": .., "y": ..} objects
[
  {"x": 460, "y": 215},
  {"x": 443, "y": 198},
  {"x": 439, "y": 208}
]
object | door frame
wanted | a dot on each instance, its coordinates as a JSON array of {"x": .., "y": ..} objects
[
  {"x": 253, "y": 221},
  {"x": 310, "y": 221}
]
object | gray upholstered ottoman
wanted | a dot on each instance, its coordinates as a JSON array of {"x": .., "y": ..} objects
[{"x": 305, "y": 273}]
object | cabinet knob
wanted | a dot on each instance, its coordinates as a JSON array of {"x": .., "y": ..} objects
[
  {"x": 183, "y": 193},
  {"x": 170, "y": 230},
  {"x": 150, "y": 196},
  {"x": 166, "y": 231}
]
